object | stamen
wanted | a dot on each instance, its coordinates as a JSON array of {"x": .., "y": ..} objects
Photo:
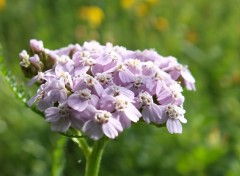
[
  {"x": 89, "y": 80},
  {"x": 173, "y": 112},
  {"x": 85, "y": 93},
  {"x": 102, "y": 116},
  {"x": 145, "y": 99},
  {"x": 121, "y": 104},
  {"x": 138, "y": 82},
  {"x": 104, "y": 78}
]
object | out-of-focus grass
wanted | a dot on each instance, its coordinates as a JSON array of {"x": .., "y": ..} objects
[{"x": 202, "y": 34}]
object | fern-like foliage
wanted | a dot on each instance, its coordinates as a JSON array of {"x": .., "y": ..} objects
[{"x": 18, "y": 89}]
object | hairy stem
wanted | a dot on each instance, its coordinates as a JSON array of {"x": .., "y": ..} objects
[{"x": 94, "y": 159}]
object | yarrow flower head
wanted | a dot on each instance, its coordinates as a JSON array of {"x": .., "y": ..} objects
[{"x": 103, "y": 89}]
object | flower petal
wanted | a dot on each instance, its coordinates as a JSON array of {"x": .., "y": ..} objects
[
  {"x": 61, "y": 125},
  {"x": 77, "y": 103},
  {"x": 132, "y": 113},
  {"x": 109, "y": 130},
  {"x": 174, "y": 126},
  {"x": 52, "y": 114},
  {"x": 93, "y": 130}
]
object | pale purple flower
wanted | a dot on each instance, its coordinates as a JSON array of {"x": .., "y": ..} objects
[
  {"x": 125, "y": 112},
  {"x": 38, "y": 78},
  {"x": 103, "y": 89},
  {"x": 108, "y": 99},
  {"x": 183, "y": 71},
  {"x": 62, "y": 117},
  {"x": 151, "y": 112},
  {"x": 83, "y": 61},
  {"x": 138, "y": 84},
  {"x": 36, "y": 46},
  {"x": 102, "y": 123},
  {"x": 171, "y": 95},
  {"x": 48, "y": 94},
  {"x": 80, "y": 100},
  {"x": 64, "y": 64},
  {"x": 177, "y": 70},
  {"x": 118, "y": 90},
  {"x": 67, "y": 51},
  {"x": 105, "y": 79},
  {"x": 134, "y": 66},
  {"x": 93, "y": 47},
  {"x": 152, "y": 55},
  {"x": 107, "y": 63},
  {"x": 158, "y": 80},
  {"x": 86, "y": 81},
  {"x": 24, "y": 59},
  {"x": 174, "y": 116},
  {"x": 122, "y": 75}
]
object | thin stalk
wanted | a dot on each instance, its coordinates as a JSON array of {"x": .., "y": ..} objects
[
  {"x": 82, "y": 143},
  {"x": 94, "y": 159}
]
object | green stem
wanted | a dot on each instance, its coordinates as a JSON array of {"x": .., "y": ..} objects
[
  {"x": 94, "y": 159},
  {"x": 82, "y": 143}
]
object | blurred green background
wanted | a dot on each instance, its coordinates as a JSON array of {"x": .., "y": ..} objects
[{"x": 202, "y": 34}]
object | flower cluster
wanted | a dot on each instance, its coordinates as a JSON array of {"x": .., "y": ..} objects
[{"x": 103, "y": 89}]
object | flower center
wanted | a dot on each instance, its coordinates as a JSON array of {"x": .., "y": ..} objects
[
  {"x": 145, "y": 99},
  {"x": 88, "y": 61},
  {"x": 135, "y": 63},
  {"x": 63, "y": 59},
  {"x": 64, "y": 111},
  {"x": 114, "y": 56},
  {"x": 173, "y": 112},
  {"x": 158, "y": 76},
  {"x": 102, "y": 116},
  {"x": 138, "y": 82},
  {"x": 104, "y": 78},
  {"x": 85, "y": 54},
  {"x": 176, "y": 90},
  {"x": 85, "y": 93},
  {"x": 121, "y": 104},
  {"x": 89, "y": 80},
  {"x": 116, "y": 91},
  {"x": 121, "y": 67}
]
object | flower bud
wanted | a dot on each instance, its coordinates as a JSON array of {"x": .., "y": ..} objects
[{"x": 36, "y": 46}]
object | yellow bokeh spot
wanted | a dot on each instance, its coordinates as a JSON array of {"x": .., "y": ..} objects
[
  {"x": 142, "y": 9},
  {"x": 93, "y": 14},
  {"x": 127, "y": 4},
  {"x": 192, "y": 37},
  {"x": 161, "y": 24},
  {"x": 2, "y": 4},
  {"x": 152, "y": 2}
]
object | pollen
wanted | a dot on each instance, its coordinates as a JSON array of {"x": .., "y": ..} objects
[
  {"x": 114, "y": 56},
  {"x": 121, "y": 104},
  {"x": 64, "y": 111},
  {"x": 121, "y": 67},
  {"x": 89, "y": 81},
  {"x": 138, "y": 82},
  {"x": 102, "y": 116},
  {"x": 88, "y": 61},
  {"x": 145, "y": 99},
  {"x": 85, "y": 93},
  {"x": 104, "y": 78},
  {"x": 173, "y": 111}
]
